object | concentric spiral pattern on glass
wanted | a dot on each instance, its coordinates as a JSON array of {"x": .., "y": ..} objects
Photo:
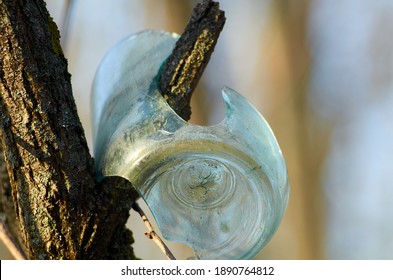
[{"x": 202, "y": 183}]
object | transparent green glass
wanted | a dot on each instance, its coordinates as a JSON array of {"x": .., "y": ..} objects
[{"x": 221, "y": 189}]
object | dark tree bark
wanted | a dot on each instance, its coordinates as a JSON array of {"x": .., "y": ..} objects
[
  {"x": 184, "y": 67},
  {"x": 62, "y": 212}
]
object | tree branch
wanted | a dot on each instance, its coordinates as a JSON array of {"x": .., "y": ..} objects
[
  {"x": 9, "y": 242},
  {"x": 151, "y": 234},
  {"x": 184, "y": 67}
]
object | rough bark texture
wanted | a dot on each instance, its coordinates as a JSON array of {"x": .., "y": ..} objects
[
  {"x": 61, "y": 211},
  {"x": 181, "y": 72}
]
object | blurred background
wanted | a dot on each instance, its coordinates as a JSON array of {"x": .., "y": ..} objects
[{"x": 321, "y": 73}]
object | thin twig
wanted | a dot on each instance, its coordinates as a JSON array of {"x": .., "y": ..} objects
[
  {"x": 9, "y": 242},
  {"x": 151, "y": 234}
]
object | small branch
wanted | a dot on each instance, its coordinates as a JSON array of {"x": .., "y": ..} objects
[
  {"x": 9, "y": 242},
  {"x": 181, "y": 72},
  {"x": 151, "y": 234}
]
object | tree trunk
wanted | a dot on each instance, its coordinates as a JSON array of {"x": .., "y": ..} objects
[{"x": 62, "y": 212}]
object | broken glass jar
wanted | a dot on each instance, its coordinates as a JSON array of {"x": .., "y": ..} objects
[{"x": 220, "y": 189}]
